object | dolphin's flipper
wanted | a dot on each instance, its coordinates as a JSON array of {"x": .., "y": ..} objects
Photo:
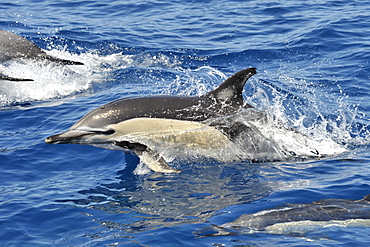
[
  {"x": 148, "y": 157},
  {"x": 155, "y": 162},
  {"x": 7, "y": 78}
]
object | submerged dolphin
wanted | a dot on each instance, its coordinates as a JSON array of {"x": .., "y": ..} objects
[
  {"x": 293, "y": 217},
  {"x": 13, "y": 46},
  {"x": 141, "y": 124}
]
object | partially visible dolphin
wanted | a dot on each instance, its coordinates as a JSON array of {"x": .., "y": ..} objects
[
  {"x": 141, "y": 124},
  {"x": 13, "y": 46},
  {"x": 292, "y": 217}
]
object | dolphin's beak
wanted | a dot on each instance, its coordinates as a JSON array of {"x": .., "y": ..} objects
[
  {"x": 70, "y": 136},
  {"x": 75, "y": 136}
]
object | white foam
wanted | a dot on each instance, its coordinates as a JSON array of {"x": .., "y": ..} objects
[
  {"x": 141, "y": 169},
  {"x": 304, "y": 117},
  {"x": 297, "y": 144},
  {"x": 53, "y": 80},
  {"x": 58, "y": 81}
]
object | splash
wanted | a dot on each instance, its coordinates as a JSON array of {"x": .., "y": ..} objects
[
  {"x": 309, "y": 115},
  {"x": 190, "y": 82},
  {"x": 52, "y": 80},
  {"x": 293, "y": 119},
  {"x": 269, "y": 139}
]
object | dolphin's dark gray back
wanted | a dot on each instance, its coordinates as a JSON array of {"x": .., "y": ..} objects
[
  {"x": 322, "y": 210},
  {"x": 223, "y": 101},
  {"x": 13, "y": 46}
]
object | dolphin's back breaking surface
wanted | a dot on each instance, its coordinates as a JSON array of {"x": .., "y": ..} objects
[
  {"x": 315, "y": 213},
  {"x": 197, "y": 108},
  {"x": 224, "y": 100},
  {"x": 168, "y": 107},
  {"x": 13, "y": 46}
]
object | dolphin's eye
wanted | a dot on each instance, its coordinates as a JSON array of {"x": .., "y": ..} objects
[{"x": 109, "y": 132}]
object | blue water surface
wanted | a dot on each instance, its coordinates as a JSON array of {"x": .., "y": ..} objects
[{"x": 313, "y": 74}]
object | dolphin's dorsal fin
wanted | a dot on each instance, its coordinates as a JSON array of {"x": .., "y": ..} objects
[{"x": 231, "y": 89}]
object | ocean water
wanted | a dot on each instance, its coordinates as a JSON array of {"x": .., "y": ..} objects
[{"x": 313, "y": 75}]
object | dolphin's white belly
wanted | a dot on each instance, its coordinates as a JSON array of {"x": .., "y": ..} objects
[{"x": 168, "y": 132}]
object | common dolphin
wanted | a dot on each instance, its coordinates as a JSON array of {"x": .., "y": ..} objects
[
  {"x": 13, "y": 46},
  {"x": 140, "y": 124},
  {"x": 296, "y": 216}
]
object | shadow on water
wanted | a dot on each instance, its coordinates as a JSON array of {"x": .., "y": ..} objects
[{"x": 162, "y": 200}]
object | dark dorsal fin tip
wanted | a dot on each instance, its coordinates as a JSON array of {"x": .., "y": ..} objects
[{"x": 231, "y": 89}]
